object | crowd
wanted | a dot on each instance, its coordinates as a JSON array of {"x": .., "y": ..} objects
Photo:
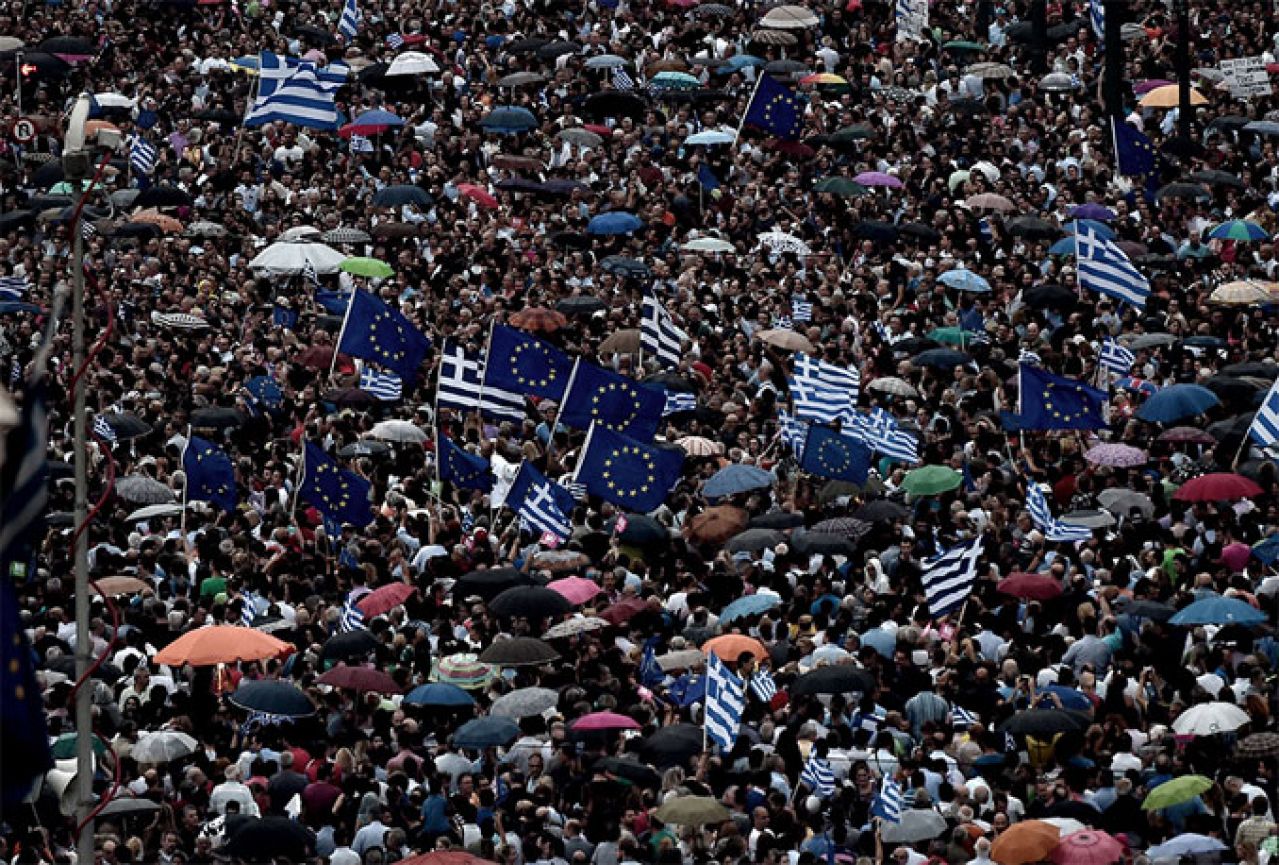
[{"x": 1080, "y": 713}]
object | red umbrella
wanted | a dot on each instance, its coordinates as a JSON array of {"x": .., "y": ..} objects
[
  {"x": 1035, "y": 587},
  {"x": 446, "y": 857},
  {"x": 599, "y": 129},
  {"x": 538, "y": 318},
  {"x": 1186, "y": 435},
  {"x": 577, "y": 590},
  {"x": 478, "y": 194},
  {"x": 1217, "y": 487},
  {"x": 624, "y": 610},
  {"x": 385, "y": 598},
  {"x": 605, "y": 721},
  {"x": 363, "y": 679},
  {"x": 1088, "y": 848}
]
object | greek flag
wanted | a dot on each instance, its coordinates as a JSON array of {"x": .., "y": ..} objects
[
  {"x": 1097, "y": 14},
  {"x": 461, "y": 387},
  {"x": 1115, "y": 358},
  {"x": 385, "y": 386},
  {"x": 352, "y": 618},
  {"x": 1054, "y": 529},
  {"x": 310, "y": 274},
  {"x": 102, "y": 429},
  {"x": 395, "y": 41},
  {"x": 142, "y": 157},
  {"x": 801, "y": 310},
  {"x": 659, "y": 337},
  {"x": 360, "y": 144},
  {"x": 1104, "y": 268},
  {"x": 950, "y": 576},
  {"x": 13, "y": 287},
  {"x": 678, "y": 401},
  {"x": 542, "y": 505},
  {"x": 725, "y": 702},
  {"x": 824, "y": 392},
  {"x": 763, "y": 686},
  {"x": 297, "y": 92},
  {"x": 819, "y": 776},
  {"x": 1029, "y": 357},
  {"x": 349, "y": 24},
  {"x": 961, "y": 717},
  {"x": 889, "y": 803},
  {"x": 870, "y": 721},
  {"x": 784, "y": 322},
  {"x": 881, "y": 432},
  {"x": 622, "y": 79},
  {"x": 1265, "y": 426},
  {"x": 248, "y": 609},
  {"x": 794, "y": 432}
]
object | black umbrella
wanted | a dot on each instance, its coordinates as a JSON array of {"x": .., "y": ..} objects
[
  {"x": 1049, "y": 297},
  {"x": 636, "y": 773},
  {"x": 672, "y": 381},
  {"x": 519, "y": 184},
  {"x": 1149, "y": 610},
  {"x": 921, "y": 232},
  {"x": 350, "y": 397},
  {"x": 558, "y": 48},
  {"x": 217, "y": 417},
  {"x": 364, "y": 448},
  {"x": 881, "y": 511},
  {"x": 66, "y": 45},
  {"x": 1215, "y": 177},
  {"x": 570, "y": 238},
  {"x": 1032, "y": 226},
  {"x": 1252, "y": 369},
  {"x": 1073, "y": 810},
  {"x": 15, "y": 219},
  {"x": 1182, "y": 190},
  {"x": 316, "y": 35},
  {"x": 640, "y": 530},
  {"x": 876, "y": 230},
  {"x": 530, "y": 602},
  {"x": 127, "y": 425},
  {"x": 1229, "y": 121},
  {"x": 527, "y": 45},
  {"x": 626, "y": 268},
  {"x": 673, "y": 745},
  {"x": 274, "y": 697},
  {"x": 821, "y": 544},
  {"x": 1232, "y": 389},
  {"x": 834, "y": 679},
  {"x": 352, "y": 644},
  {"x": 1045, "y": 722},
  {"x": 580, "y": 305},
  {"x": 263, "y": 839},
  {"x": 615, "y": 103},
  {"x": 398, "y": 195},
  {"x": 754, "y": 540},
  {"x": 913, "y": 345},
  {"x": 519, "y": 651},
  {"x": 44, "y": 64},
  {"x": 779, "y": 520},
  {"x": 491, "y": 582},
  {"x": 220, "y": 115},
  {"x": 162, "y": 196}
]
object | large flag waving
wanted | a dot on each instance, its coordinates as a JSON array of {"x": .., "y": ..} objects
[
  {"x": 337, "y": 493},
  {"x": 543, "y": 505},
  {"x": 210, "y": 475},
  {"x": 1056, "y": 402},
  {"x": 374, "y": 331},
  {"x": 598, "y": 395},
  {"x": 625, "y": 472},
  {"x": 523, "y": 364}
]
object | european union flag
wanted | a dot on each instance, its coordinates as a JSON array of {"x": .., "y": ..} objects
[
  {"x": 462, "y": 469},
  {"x": 627, "y": 473},
  {"x": 263, "y": 391},
  {"x": 376, "y": 332},
  {"x": 524, "y": 364},
  {"x": 24, "y": 483},
  {"x": 1134, "y": 152},
  {"x": 337, "y": 493},
  {"x": 334, "y": 302},
  {"x": 775, "y": 108},
  {"x": 24, "y": 747},
  {"x": 284, "y": 316},
  {"x": 210, "y": 475},
  {"x": 1056, "y": 402},
  {"x": 597, "y": 395},
  {"x": 706, "y": 177},
  {"x": 830, "y": 454}
]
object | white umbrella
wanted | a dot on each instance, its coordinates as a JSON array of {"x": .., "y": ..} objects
[
  {"x": 780, "y": 241},
  {"x": 789, "y": 18},
  {"x": 1208, "y": 719},
  {"x": 300, "y": 232},
  {"x": 152, "y": 511},
  {"x": 708, "y": 244},
  {"x": 398, "y": 431},
  {"x": 525, "y": 702},
  {"x": 606, "y": 61},
  {"x": 114, "y": 100},
  {"x": 1065, "y": 825},
  {"x": 412, "y": 63},
  {"x": 290, "y": 258},
  {"x": 893, "y": 385},
  {"x": 162, "y": 746}
]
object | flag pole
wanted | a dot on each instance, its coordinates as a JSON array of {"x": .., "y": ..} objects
[
  {"x": 586, "y": 446},
  {"x": 186, "y": 489},
  {"x": 337, "y": 346},
  {"x": 742, "y": 123},
  {"x": 488, "y": 351},
  {"x": 297, "y": 487},
  {"x": 572, "y": 376}
]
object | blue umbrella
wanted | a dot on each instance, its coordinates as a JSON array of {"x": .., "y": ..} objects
[
  {"x": 509, "y": 120},
  {"x": 1099, "y": 228},
  {"x": 881, "y": 641},
  {"x": 963, "y": 279},
  {"x": 378, "y": 117},
  {"x": 1093, "y": 211},
  {"x": 734, "y": 479},
  {"x": 1065, "y": 246},
  {"x": 1216, "y": 610},
  {"x": 614, "y": 222},
  {"x": 1238, "y": 229},
  {"x": 941, "y": 358},
  {"x": 1268, "y": 550},
  {"x": 273, "y": 697},
  {"x": 1176, "y": 402},
  {"x": 1137, "y": 385},
  {"x": 1204, "y": 341},
  {"x": 751, "y": 605},
  {"x": 401, "y": 194},
  {"x": 486, "y": 732},
  {"x": 1070, "y": 698},
  {"x": 738, "y": 62},
  {"x": 443, "y": 694}
]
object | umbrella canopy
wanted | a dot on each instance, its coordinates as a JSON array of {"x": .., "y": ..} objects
[
  {"x": 383, "y": 599},
  {"x": 351, "y": 644},
  {"x": 604, "y": 721},
  {"x": 1217, "y": 610},
  {"x": 1186, "y": 435},
  {"x": 931, "y": 480},
  {"x": 1087, "y": 848},
  {"x": 291, "y": 258},
  {"x": 734, "y": 479},
  {"x": 1209, "y": 719},
  {"x": 1168, "y": 95},
  {"x": 916, "y": 825},
  {"x": 754, "y": 540},
  {"x": 113, "y": 587},
  {"x": 684, "y": 659},
  {"x": 491, "y": 582},
  {"x": 1239, "y": 230},
  {"x": 373, "y": 268},
  {"x": 1176, "y": 791},
  {"x": 532, "y": 602},
  {"x": 730, "y": 647},
  {"x": 1122, "y": 502},
  {"x": 486, "y": 732},
  {"x": 221, "y": 644},
  {"x": 1217, "y": 487},
  {"x": 143, "y": 490},
  {"x": 464, "y": 670},
  {"x": 273, "y": 697},
  {"x": 402, "y": 195},
  {"x": 576, "y": 590},
  {"x": 1024, "y": 842},
  {"x": 941, "y": 358},
  {"x": 614, "y": 222},
  {"x": 1176, "y": 402},
  {"x": 539, "y": 319},
  {"x": 1115, "y": 455},
  {"x": 692, "y": 811},
  {"x": 1038, "y": 587},
  {"x": 401, "y": 431},
  {"x": 718, "y": 524},
  {"x": 785, "y": 339},
  {"x": 525, "y": 702},
  {"x": 519, "y": 651},
  {"x": 833, "y": 679},
  {"x": 263, "y": 839},
  {"x": 751, "y": 605},
  {"x": 962, "y": 279},
  {"x": 672, "y": 745},
  {"x": 1044, "y": 722},
  {"x": 440, "y": 694},
  {"x": 360, "y": 679},
  {"x": 1186, "y": 844}
]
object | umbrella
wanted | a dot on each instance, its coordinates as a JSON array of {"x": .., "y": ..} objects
[
  {"x": 520, "y": 79},
  {"x": 491, "y": 582},
  {"x": 963, "y": 279},
  {"x": 1038, "y": 587},
  {"x": 931, "y": 480},
  {"x": 780, "y": 241},
  {"x": 1217, "y": 487},
  {"x": 440, "y": 694},
  {"x": 615, "y": 103},
  {"x": 881, "y": 511},
  {"x": 623, "y": 611},
  {"x": 1190, "y": 843},
  {"x": 789, "y": 17},
  {"x": 734, "y": 479},
  {"x": 573, "y": 627},
  {"x": 538, "y": 319},
  {"x": 1044, "y": 722},
  {"x": 339, "y": 235},
  {"x": 716, "y": 525},
  {"x": 518, "y": 651},
  {"x": 1122, "y": 502},
  {"x": 697, "y": 446},
  {"x": 372, "y": 268},
  {"x": 711, "y": 137},
  {"x": 785, "y": 339},
  {"x": 1087, "y": 848},
  {"x": 361, "y": 679},
  {"x": 916, "y": 825},
  {"x": 845, "y": 527},
  {"x": 730, "y": 647},
  {"x": 1176, "y": 402},
  {"x": 221, "y": 644},
  {"x": 892, "y": 385},
  {"x": 509, "y": 120},
  {"x": 1258, "y": 745},
  {"x": 614, "y": 222},
  {"x": 1176, "y": 791},
  {"x": 640, "y": 530},
  {"x": 364, "y": 448},
  {"x": 217, "y": 417},
  {"x": 952, "y": 336},
  {"x": 128, "y": 806},
  {"x": 751, "y": 605},
  {"x": 65, "y": 746},
  {"x": 821, "y": 544},
  {"x": 531, "y": 602},
  {"x": 1218, "y": 610},
  {"x": 627, "y": 268},
  {"x": 402, "y": 195},
  {"x": 580, "y": 137},
  {"x": 1049, "y": 297},
  {"x": 1239, "y": 230},
  {"x": 692, "y": 811},
  {"x": 445, "y": 857},
  {"x": 833, "y": 679},
  {"x": 606, "y": 61},
  {"x": 877, "y": 178},
  {"x": 1168, "y": 97},
  {"x": 273, "y": 697},
  {"x": 576, "y": 590},
  {"x": 1089, "y": 519},
  {"x": 1115, "y": 455},
  {"x": 1181, "y": 190},
  {"x": 1208, "y": 719},
  {"x": 350, "y": 644},
  {"x": 560, "y": 560},
  {"x": 754, "y": 540},
  {"x": 464, "y": 670},
  {"x": 624, "y": 341},
  {"x": 604, "y": 721},
  {"x": 1149, "y": 610},
  {"x": 263, "y": 839},
  {"x": 941, "y": 358},
  {"x": 113, "y": 587},
  {"x": 401, "y": 431},
  {"x": 681, "y": 660},
  {"x": 487, "y": 732},
  {"x": 840, "y": 186},
  {"x": 290, "y": 258},
  {"x": 143, "y": 490},
  {"x": 525, "y": 703},
  {"x": 1033, "y": 227},
  {"x": 1024, "y": 842},
  {"x": 990, "y": 201},
  {"x": 1215, "y": 177},
  {"x": 672, "y": 745},
  {"x": 1186, "y": 435},
  {"x": 708, "y": 244}
]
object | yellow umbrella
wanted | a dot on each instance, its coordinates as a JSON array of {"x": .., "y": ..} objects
[
  {"x": 1168, "y": 97},
  {"x": 1243, "y": 292}
]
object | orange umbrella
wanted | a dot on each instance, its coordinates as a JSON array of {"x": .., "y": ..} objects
[
  {"x": 730, "y": 647},
  {"x": 1025, "y": 842},
  {"x": 716, "y": 525},
  {"x": 114, "y": 586},
  {"x": 221, "y": 644},
  {"x": 1168, "y": 97},
  {"x": 538, "y": 318},
  {"x": 167, "y": 224}
]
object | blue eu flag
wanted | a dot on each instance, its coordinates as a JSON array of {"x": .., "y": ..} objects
[
  {"x": 1056, "y": 402},
  {"x": 614, "y": 401},
  {"x": 285, "y": 317},
  {"x": 24, "y": 747},
  {"x": 830, "y": 454},
  {"x": 462, "y": 469},
  {"x": 210, "y": 475},
  {"x": 1134, "y": 152},
  {"x": 706, "y": 177},
  {"x": 337, "y": 493},
  {"x": 376, "y": 332},
  {"x": 335, "y": 302},
  {"x": 625, "y": 472},
  {"x": 775, "y": 108},
  {"x": 263, "y": 391},
  {"x": 524, "y": 364},
  {"x": 24, "y": 485}
]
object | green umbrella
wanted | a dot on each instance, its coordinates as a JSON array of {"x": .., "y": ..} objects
[
  {"x": 1176, "y": 791},
  {"x": 855, "y": 132},
  {"x": 840, "y": 186},
  {"x": 931, "y": 480},
  {"x": 64, "y": 747},
  {"x": 964, "y": 45},
  {"x": 952, "y": 336},
  {"x": 66, "y": 187},
  {"x": 371, "y": 267}
]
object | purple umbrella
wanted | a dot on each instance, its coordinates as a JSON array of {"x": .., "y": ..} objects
[
  {"x": 1092, "y": 210},
  {"x": 877, "y": 178},
  {"x": 1141, "y": 88},
  {"x": 1116, "y": 455}
]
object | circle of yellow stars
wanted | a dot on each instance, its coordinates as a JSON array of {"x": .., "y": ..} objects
[
  {"x": 623, "y": 454},
  {"x": 392, "y": 348},
  {"x": 343, "y": 499},
  {"x": 832, "y": 458},
  {"x": 772, "y": 102},
  {"x": 604, "y": 402},
  {"x": 541, "y": 361},
  {"x": 221, "y": 489},
  {"x": 1062, "y": 415}
]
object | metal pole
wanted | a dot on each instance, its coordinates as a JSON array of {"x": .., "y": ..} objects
[
  {"x": 1113, "y": 82},
  {"x": 1039, "y": 36},
  {"x": 17, "y": 69},
  {"x": 1185, "y": 114}
]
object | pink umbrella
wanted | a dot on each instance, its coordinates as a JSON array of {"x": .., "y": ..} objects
[
  {"x": 605, "y": 721},
  {"x": 1141, "y": 88},
  {"x": 575, "y": 590},
  {"x": 1087, "y": 848},
  {"x": 478, "y": 194},
  {"x": 878, "y": 178},
  {"x": 385, "y": 598},
  {"x": 1236, "y": 556},
  {"x": 1117, "y": 455}
]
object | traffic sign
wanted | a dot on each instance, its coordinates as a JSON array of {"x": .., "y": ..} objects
[{"x": 24, "y": 130}]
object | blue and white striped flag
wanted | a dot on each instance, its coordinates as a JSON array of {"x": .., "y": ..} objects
[
  {"x": 542, "y": 505},
  {"x": 961, "y": 717},
  {"x": 352, "y": 618},
  {"x": 102, "y": 429},
  {"x": 870, "y": 721},
  {"x": 360, "y": 144},
  {"x": 1054, "y": 529},
  {"x": 949, "y": 577},
  {"x": 678, "y": 401},
  {"x": 622, "y": 79},
  {"x": 385, "y": 386},
  {"x": 248, "y": 609},
  {"x": 1104, "y": 268},
  {"x": 725, "y": 702},
  {"x": 800, "y": 309},
  {"x": 784, "y": 322},
  {"x": 659, "y": 337},
  {"x": 881, "y": 432},
  {"x": 763, "y": 686},
  {"x": 824, "y": 392},
  {"x": 794, "y": 432},
  {"x": 461, "y": 387},
  {"x": 889, "y": 802},
  {"x": 395, "y": 41},
  {"x": 1265, "y": 426},
  {"x": 142, "y": 157},
  {"x": 1029, "y": 357},
  {"x": 1097, "y": 14},
  {"x": 1116, "y": 358},
  {"x": 13, "y": 287},
  {"x": 349, "y": 24},
  {"x": 819, "y": 776},
  {"x": 297, "y": 92}
]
